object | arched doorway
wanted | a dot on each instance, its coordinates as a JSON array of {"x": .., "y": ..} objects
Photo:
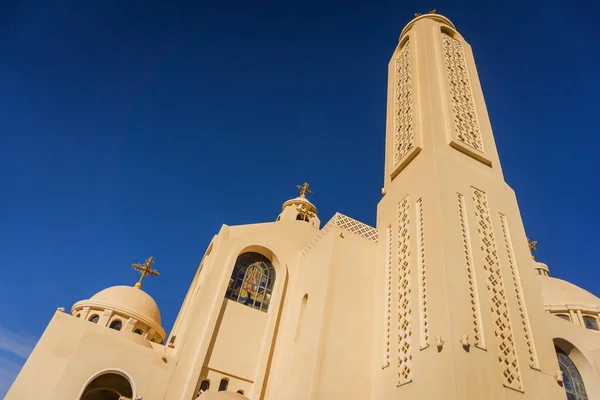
[
  {"x": 572, "y": 381},
  {"x": 109, "y": 386}
]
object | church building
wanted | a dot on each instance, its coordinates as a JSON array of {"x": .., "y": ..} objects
[{"x": 441, "y": 300}]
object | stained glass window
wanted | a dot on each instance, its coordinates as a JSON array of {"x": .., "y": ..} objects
[
  {"x": 252, "y": 281},
  {"x": 590, "y": 323},
  {"x": 572, "y": 381}
]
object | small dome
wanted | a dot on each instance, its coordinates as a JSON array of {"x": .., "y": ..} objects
[
  {"x": 129, "y": 301},
  {"x": 300, "y": 201},
  {"x": 558, "y": 293}
]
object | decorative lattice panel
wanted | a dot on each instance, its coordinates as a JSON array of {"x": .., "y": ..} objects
[
  {"x": 354, "y": 226},
  {"x": 344, "y": 222},
  {"x": 404, "y": 295},
  {"x": 388, "y": 299},
  {"x": 461, "y": 96},
  {"x": 507, "y": 352},
  {"x": 403, "y": 112},
  {"x": 424, "y": 320},
  {"x": 533, "y": 360},
  {"x": 473, "y": 295}
]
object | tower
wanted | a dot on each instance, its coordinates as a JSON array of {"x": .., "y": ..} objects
[{"x": 455, "y": 260}]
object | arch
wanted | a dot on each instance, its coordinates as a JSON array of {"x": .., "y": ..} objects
[
  {"x": 138, "y": 331},
  {"x": 94, "y": 318},
  {"x": 204, "y": 385},
  {"x": 223, "y": 385},
  {"x": 589, "y": 377},
  {"x": 252, "y": 281},
  {"x": 116, "y": 325},
  {"x": 108, "y": 385},
  {"x": 572, "y": 380}
]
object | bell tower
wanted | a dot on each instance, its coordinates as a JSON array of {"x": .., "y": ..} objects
[{"x": 460, "y": 313}]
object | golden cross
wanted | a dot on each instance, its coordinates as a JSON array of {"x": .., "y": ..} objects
[
  {"x": 304, "y": 212},
  {"x": 532, "y": 247},
  {"x": 145, "y": 269},
  {"x": 304, "y": 190}
]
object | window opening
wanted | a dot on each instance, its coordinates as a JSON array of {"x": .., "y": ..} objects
[
  {"x": 572, "y": 381},
  {"x": 223, "y": 385},
  {"x": 563, "y": 316},
  {"x": 252, "y": 281},
  {"x": 590, "y": 323},
  {"x": 94, "y": 318},
  {"x": 138, "y": 331},
  {"x": 204, "y": 386},
  {"x": 116, "y": 325}
]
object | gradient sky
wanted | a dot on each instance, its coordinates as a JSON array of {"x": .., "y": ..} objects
[{"x": 136, "y": 128}]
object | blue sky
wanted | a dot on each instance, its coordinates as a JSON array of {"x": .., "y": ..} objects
[{"x": 130, "y": 129}]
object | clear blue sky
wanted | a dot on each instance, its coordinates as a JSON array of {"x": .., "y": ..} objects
[{"x": 133, "y": 128}]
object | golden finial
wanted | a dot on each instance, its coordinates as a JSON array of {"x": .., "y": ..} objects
[
  {"x": 418, "y": 15},
  {"x": 305, "y": 213},
  {"x": 432, "y": 11},
  {"x": 145, "y": 269},
  {"x": 304, "y": 190},
  {"x": 532, "y": 247}
]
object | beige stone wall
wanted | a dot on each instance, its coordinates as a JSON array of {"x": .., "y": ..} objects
[{"x": 72, "y": 351}]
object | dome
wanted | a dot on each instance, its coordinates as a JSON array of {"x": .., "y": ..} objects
[
  {"x": 129, "y": 301},
  {"x": 559, "y": 294},
  {"x": 302, "y": 201}
]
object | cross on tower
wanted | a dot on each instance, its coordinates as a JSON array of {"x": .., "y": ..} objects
[
  {"x": 144, "y": 270},
  {"x": 304, "y": 190}
]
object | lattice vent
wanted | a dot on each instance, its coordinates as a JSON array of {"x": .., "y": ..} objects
[
  {"x": 473, "y": 294},
  {"x": 344, "y": 222},
  {"x": 507, "y": 353},
  {"x": 354, "y": 226},
  {"x": 388, "y": 289},
  {"x": 461, "y": 96},
  {"x": 422, "y": 277},
  {"x": 403, "y": 113},
  {"x": 404, "y": 295},
  {"x": 533, "y": 360}
]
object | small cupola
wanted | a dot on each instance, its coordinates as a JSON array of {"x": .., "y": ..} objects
[
  {"x": 125, "y": 308},
  {"x": 300, "y": 209}
]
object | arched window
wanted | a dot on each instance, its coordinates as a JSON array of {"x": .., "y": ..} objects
[
  {"x": 204, "y": 385},
  {"x": 252, "y": 281},
  {"x": 590, "y": 323},
  {"x": 572, "y": 381},
  {"x": 94, "y": 318},
  {"x": 108, "y": 387},
  {"x": 116, "y": 325},
  {"x": 564, "y": 316},
  {"x": 78, "y": 315},
  {"x": 223, "y": 385},
  {"x": 138, "y": 331},
  {"x": 305, "y": 218}
]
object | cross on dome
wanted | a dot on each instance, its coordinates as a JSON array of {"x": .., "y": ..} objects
[
  {"x": 145, "y": 270},
  {"x": 304, "y": 189},
  {"x": 532, "y": 247}
]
